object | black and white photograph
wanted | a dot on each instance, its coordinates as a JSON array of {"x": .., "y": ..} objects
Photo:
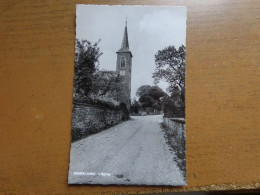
[{"x": 128, "y": 115}]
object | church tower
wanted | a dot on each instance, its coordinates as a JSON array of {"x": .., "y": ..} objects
[{"x": 124, "y": 68}]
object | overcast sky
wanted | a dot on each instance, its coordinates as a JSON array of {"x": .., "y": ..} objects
[{"x": 150, "y": 28}]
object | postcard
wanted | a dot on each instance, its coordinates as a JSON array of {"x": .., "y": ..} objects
[{"x": 128, "y": 115}]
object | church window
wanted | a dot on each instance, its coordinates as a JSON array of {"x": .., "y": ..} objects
[
  {"x": 122, "y": 73},
  {"x": 122, "y": 63}
]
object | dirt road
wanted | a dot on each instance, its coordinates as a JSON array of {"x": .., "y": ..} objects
[{"x": 133, "y": 152}]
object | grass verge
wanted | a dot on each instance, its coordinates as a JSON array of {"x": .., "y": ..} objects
[{"x": 177, "y": 146}]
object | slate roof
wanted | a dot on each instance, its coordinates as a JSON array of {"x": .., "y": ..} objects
[{"x": 125, "y": 44}]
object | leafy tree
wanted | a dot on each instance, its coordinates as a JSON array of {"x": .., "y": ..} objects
[
  {"x": 170, "y": 109},
  {"x": 147, "y": 101},
  {"x": 143, "y": 90},
  {"x": 170, "y": 67},
  {"x": 107, "y": 83},
  {"x": 86, "y": 64},
  {"x": 149, "y": 96},
  {"x": 154, "y": 91}
]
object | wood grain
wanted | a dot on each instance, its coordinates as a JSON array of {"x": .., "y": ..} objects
[{"x": 223, "y": 96}]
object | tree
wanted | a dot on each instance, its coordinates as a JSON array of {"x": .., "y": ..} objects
[
  {"x": 86, "y": 64},
  {"x": 143, "y": 90},
  {"x": 154, "y": 91},
  {"x": 107, "y": 83},
  {"x": 147, "y": 101},
  {"x": 170, "y": 109},
  {"x": 149, "y": 96},
  {"x": 170, "y": 67}
]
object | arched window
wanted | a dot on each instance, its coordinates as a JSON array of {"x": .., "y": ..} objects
[{"x": 122, "y": 63}]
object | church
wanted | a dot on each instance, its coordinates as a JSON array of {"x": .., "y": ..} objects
[{"x": 124, "y": 69}]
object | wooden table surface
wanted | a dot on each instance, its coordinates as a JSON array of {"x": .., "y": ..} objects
[{"x": 222, "y": 96}]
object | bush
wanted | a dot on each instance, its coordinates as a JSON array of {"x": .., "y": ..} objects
[
  {"x": 95, "y": 102},
  {"x": 125, "y": 112},
  {"x": 170, "y": 109}
]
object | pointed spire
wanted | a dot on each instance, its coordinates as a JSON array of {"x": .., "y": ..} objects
[{"x": 125, "y": 44}]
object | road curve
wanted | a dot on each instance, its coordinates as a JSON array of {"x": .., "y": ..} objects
[{"x": 131, "y": 153}]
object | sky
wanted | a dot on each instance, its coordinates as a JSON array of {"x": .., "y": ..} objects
[{"x": 150, "y": 28}]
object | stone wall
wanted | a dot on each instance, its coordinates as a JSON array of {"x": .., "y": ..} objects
[
  {"x": 174, "y": 129},
  {"x": 88, "y": 119},
  {"x": 176, "y": 125}
]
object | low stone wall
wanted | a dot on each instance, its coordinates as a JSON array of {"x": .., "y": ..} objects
[
  {"x": 177, "y": 126},
  {"x": 88, "y": 119},
  {"x": 174, "y": 129}
]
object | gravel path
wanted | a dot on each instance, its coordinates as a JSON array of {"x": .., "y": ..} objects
[{"x": 132, "y": 153}]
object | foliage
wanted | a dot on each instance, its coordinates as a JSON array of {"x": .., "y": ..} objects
[
  {"x": 177, "y": 144},
  {"x": 135, "y": 105},
  {"x": 107, "y": 83},
  {"x": 143, "y": 90},
  {"x": 125, "y": 112},
  {"x": 91, "y": 85},
  {"x": 170, "y": 109},
  {"x": 156, "y": 92},
  {"x": 149, "y": 96},
  {"x": 86, "y": 64},
  {"x": 170, "y": 67},
  {"x": 93, "y": 100},
  {"x": 147, "y": 101}
]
